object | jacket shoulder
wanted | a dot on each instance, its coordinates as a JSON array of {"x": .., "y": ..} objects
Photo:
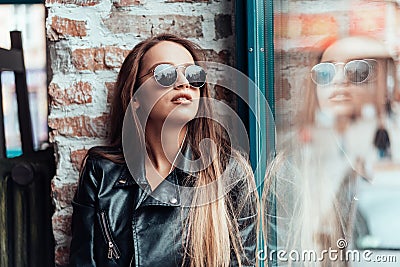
[
  {"x": 104, "y": 156},
  {"x": 99, "y": 169},
  {"x": 241, "y": 183},
  {"x": 99, "y": 151}
]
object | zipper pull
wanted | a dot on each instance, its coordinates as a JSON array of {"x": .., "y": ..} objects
[{"x": 110, "y": 250}]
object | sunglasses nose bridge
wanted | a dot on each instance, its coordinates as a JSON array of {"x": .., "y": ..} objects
[
  {"x": 340, "y": 74},
  {"x": 181, "y": 80}
]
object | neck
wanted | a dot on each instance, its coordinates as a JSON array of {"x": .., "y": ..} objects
[{"x": 162, "y": 145}]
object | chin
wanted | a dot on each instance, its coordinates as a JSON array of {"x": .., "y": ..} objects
[
  {"x": 344, "y": 110},
  {"x": 339, "y": 109},
  {"x": 182, "y": 114},
  {"x": 180, "y": 118},
  {"x": 181, "y": 121}
]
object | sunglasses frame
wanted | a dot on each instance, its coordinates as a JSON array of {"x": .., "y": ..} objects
[
  {"x": 367, "y": 61},
  {"x": 176, "y": 70}
]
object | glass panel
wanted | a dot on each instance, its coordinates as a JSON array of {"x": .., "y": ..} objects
[
  {"x": 29, "y": 19},
  {"x": 337, "y": 107}
]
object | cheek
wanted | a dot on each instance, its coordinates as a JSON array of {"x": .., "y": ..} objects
[
  {"x": 150, "y": 98},
  {"x": 323, "y": 94},
  {"x": 364, "y": 92}
]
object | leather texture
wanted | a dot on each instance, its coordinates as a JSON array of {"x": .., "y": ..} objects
[{"x": 116, "y": 223}]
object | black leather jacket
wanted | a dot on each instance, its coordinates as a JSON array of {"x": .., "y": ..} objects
[{"x": 116, "y": 223}]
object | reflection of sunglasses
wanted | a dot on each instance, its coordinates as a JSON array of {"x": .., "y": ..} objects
[
  {"x": 166, "y": 75},
  {"x": 355, "y": 71}
]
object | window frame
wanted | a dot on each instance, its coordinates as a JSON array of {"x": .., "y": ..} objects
[{"x": 255, "y": 57}]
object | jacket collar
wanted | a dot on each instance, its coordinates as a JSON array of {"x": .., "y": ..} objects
[{"x": 167, "y": 193}]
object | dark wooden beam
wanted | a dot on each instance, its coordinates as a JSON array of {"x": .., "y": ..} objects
[{"x": 24, "y": 117}]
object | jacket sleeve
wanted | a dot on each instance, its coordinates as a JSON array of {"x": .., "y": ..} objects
[
  {"x": 248, "y": 234},
  {"x": 83, "y": 217},
  {"x": 245, "y": 198}
]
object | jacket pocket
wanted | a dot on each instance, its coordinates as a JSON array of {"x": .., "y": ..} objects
[{"x": 113, "y": 251}]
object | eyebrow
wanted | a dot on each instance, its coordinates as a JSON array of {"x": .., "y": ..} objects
[
  {"x": 347, "y": 61},
  {"x": 166, "y": 62},
  {"x": 335, "y": 62}
]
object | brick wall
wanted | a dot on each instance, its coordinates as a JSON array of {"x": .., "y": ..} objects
[
  {"x": 88, "y": 40},
  {"x": 304, "y": 28}
]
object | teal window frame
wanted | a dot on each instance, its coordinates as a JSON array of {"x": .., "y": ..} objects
[{"x": 255, "y": 57}]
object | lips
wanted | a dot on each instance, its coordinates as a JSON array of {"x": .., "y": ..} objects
[
  {"x": 182, "y": 98},
  {"x": 340, "y": 96}
]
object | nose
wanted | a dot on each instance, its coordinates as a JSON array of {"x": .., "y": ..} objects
[
  {"x": 340, "y": 77},
  {"x": 181, "y": 81}
]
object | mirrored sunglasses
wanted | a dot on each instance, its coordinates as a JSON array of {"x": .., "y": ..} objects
[
  {"x": 355, "y": 71},
  {"x": 166, "y": 75}
]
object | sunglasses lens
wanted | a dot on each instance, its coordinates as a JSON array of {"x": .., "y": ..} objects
[
  {"x": 195, "y": 75},
  {"x": 165, "y": 74},
  {"x": 357, "y": 71},
  {"x": 323, "y": 73}
]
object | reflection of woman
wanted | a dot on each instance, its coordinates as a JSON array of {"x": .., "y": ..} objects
[
  {"x": 352, "y": 84},
  {"x": 119, "y": 222},
  {"x": 316, "y": 185}
]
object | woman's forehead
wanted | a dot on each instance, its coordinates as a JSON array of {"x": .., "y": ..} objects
[
  {"x": 355, "y": 48},
  {"x": 167, "y": 51}
]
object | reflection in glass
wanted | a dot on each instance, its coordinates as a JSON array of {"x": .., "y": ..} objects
[
  {"x": 336, "y": 175},
  {"x": 356, "y": 101}
]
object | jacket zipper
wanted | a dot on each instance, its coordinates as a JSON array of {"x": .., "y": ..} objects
[{"x": 112, "y": 250}]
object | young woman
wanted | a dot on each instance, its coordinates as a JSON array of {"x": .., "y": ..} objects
[{"x": 129, "y": 208}]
